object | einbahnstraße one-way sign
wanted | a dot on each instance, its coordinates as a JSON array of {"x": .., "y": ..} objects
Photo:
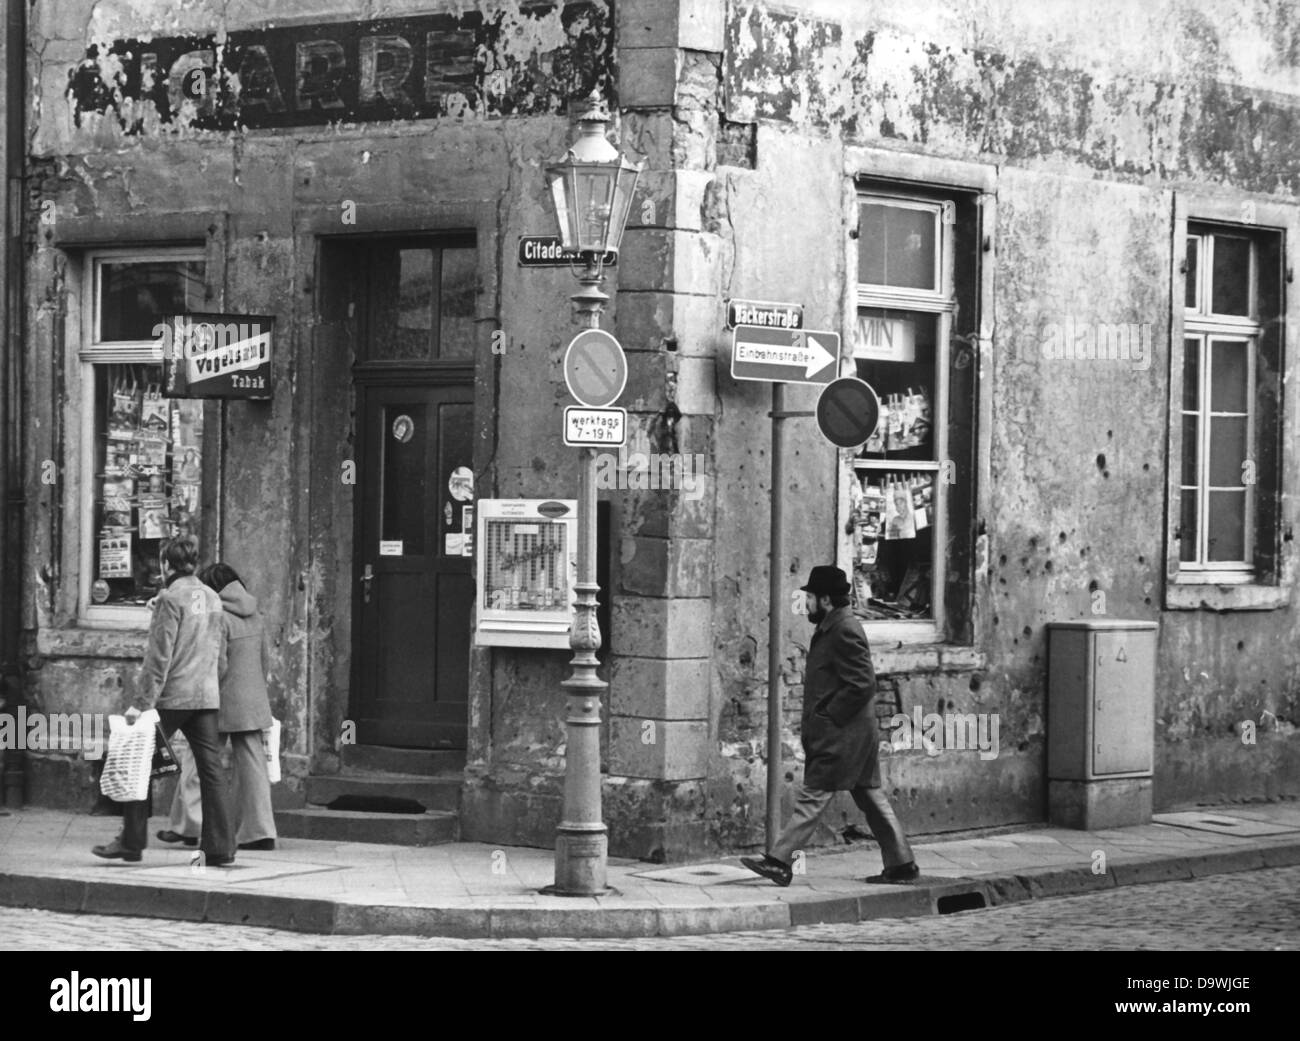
[{"x": 784, "y": 355}]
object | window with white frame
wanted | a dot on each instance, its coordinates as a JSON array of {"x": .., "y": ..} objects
[
  {"x": 911, "y": 484},
  {"x": 141, "y": 452},
  {"x": 1228, "y": 416}
]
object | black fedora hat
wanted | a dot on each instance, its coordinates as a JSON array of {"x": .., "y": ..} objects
[{"x": 826, "y": 580}]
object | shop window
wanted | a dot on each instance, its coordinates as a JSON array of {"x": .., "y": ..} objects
[
  {"x": 142, "y": 452},
  {"x": 1229, "y": 417},
  {"x": 911, "y": 485}
]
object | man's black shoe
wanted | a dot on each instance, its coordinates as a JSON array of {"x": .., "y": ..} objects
[
  {"x": 219, "y": 861},
  {"x": 173, "y": 837},
  {"x": 116, "y": 851},
  {"x": 769, "y": 867},
  {"x": 899, "y": 875},
  {"x": 258, "y": 844}
]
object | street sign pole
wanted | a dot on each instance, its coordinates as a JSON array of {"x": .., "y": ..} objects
[{"x": 775, "y": 576}]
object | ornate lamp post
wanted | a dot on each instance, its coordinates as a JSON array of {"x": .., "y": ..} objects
[{"x": 591, "y": 190}]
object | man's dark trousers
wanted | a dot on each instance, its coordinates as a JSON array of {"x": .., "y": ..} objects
[{"x": 200, "y": 728}]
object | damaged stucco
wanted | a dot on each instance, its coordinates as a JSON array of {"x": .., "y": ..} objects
[{"x": 1077, "y": 124}]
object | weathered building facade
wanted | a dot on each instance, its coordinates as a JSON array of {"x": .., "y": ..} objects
[{"x": 1059, "y": 244}]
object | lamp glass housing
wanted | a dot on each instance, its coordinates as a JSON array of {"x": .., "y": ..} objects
[{"x": 591, "y": 192}]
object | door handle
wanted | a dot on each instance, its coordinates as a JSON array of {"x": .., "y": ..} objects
[{"x": 367, "y": 577}]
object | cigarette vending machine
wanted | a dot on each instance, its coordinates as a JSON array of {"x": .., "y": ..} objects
[{"x": 527, "y": 570}]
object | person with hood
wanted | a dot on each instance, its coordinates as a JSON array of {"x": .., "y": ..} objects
[
  {"x": 840, "y": 736},
  {"x": 245, "y": 713},
  {"x": 180, "y": 678}
]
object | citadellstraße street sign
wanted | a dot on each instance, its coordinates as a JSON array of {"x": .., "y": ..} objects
[
  {"x": 784, "y": 355},
  {"x": 595, "y": 368},
  {"x": 546, "y": 251},
  {"x": 848, "y": 412},
  {"x": 764, "y": 313}
]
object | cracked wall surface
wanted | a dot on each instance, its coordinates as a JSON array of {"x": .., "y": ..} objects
[{"x": 1083, "y": 121}]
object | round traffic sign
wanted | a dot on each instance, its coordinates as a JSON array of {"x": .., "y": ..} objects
[
  {"x": 848, "y": 411},
  {"x": 595, "y": 368}
]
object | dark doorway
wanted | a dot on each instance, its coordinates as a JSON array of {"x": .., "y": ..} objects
[{"x": 413, "y": 585}]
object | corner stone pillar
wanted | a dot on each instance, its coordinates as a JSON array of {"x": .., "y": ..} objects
[{"x": 668, "y": 318}]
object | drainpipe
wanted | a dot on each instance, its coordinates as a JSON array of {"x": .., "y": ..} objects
[{"x": 13, "y": 36}]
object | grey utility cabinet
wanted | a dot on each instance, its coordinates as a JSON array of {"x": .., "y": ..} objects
[{"x": 1101, "y": 686}]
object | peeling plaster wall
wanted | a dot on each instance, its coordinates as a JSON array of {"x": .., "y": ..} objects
[
  {"x": 1088, "y": 117},
  {"x": 287, "y": 516}
]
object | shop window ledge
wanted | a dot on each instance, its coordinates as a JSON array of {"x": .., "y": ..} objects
[
  {"x": 1192, "y": 596},
  {"x": 92, "y": 643},
  {"x": 927, "y": 657}
]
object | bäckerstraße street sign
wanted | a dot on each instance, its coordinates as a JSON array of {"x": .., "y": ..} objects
[
  {"x": 764, "y": 313},
  {"x": 784, "y": 355}
]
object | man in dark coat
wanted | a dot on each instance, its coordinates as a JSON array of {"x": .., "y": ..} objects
[{"x": 840, "y": 736}]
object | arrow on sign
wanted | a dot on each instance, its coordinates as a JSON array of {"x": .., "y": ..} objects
[{"x": 784, "y": 355}]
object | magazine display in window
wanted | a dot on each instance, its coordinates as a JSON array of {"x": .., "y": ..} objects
[
  {"x": 905, "y": 422},
  {"x": 149, "y": 482},
  {"x": 891, "y": 513}
]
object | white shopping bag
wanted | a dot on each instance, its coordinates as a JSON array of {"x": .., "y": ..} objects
[
  {"x": 130, "y": 757},
  {"x": 271, "y": 738}
]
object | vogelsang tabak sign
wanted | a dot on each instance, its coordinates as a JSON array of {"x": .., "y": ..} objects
[{"x": 216, "y": 355}]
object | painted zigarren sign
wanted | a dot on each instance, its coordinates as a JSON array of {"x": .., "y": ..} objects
[
  {"x": 217, "y": 356},
  {"x": 470, "y": 64}
]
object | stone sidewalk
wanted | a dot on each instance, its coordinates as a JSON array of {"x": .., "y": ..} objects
[{"x": 473, "y": 891}]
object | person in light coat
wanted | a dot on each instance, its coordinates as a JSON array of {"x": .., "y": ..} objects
[
  {"x": 245, "y": 714},
  {"x": 180, "y": 678}
]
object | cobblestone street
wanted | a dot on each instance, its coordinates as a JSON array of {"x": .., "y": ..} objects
[{"x": 1255, "y": 911}]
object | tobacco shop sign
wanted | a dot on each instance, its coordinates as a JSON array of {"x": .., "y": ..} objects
[{"x": 216, "y": 355}]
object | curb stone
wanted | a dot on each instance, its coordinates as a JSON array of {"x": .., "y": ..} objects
[{"x": 322, "y": 916}]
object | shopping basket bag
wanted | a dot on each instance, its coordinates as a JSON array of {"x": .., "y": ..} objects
[{"x": 130, "y": 757}]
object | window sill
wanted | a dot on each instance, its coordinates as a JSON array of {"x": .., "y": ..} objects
[
  {"x": 1185, "y": 595},
  {"x": 932, "y": 657},
  {"x": 92, "y": 643}
]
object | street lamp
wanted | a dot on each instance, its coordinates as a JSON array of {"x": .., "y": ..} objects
[{"x": 591, "y": 190}]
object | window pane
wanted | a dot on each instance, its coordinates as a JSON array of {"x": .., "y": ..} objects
[
  {"x": 1187, "y": 527},
  {"x": 134, "y": 295},
  {"x": 1231, "y": 275},
  {"x": 1193, "y": 269},
  {"x": 148, "y": 479},
  {"x": 457, "y": 302},
  {"x": 895, "y": 353},
  {"x": 1226, "y": 525},
  {"x": 404, "y": 508},
  {"x": 893, "y": 543},
  {"x": 1227, "y": 450},
  {"x": 414, "y": 335},
  {"x": 1191, "y": 375},
  {"x": 896, "y": 246},
  {"x": 1191, "y": 430},
  {"x": 1228, "y": 375},
  {"x": 894, "y": 509}
]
